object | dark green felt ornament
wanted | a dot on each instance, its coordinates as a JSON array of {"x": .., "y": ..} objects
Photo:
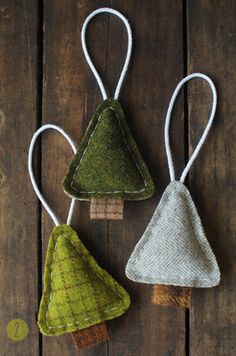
[
  {"x": 108, "y": 162},
  {"x": 108, "y": 166}
]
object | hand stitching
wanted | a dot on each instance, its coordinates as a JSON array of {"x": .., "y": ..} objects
[
  {"x": 76, "y": 322},
  {"x": 81, "y": 159}
]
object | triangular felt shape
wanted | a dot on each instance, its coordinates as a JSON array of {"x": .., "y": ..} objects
[
  {"x": 108, "y": 163},
  {"x": 77, "y": 292},
  {"x": 174, "y": 249}
]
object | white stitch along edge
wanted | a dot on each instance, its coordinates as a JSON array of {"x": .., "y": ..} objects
[
  {"x": 76, "y": 322},
  {"x": 81, "y": 159}
]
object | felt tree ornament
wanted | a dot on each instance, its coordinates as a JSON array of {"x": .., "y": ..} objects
[
  {"x": 78, "y": 295},
  {"x": 108, "y": 168},
  {"x": 173, "y": 253}
]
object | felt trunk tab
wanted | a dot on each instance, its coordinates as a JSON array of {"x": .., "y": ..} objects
[
  {"x": 172, "y": 296},
  {"x": 90, "y": 336},
  {"x": 109, "y": 209}
]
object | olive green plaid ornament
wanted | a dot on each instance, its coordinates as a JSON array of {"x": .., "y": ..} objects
[
  {"x": 78, "y": 295},
  {"x": 77, "y": 292}
]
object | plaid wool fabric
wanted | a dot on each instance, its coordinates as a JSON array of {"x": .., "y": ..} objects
[
  {"x": 77, "y": 292},
  {"x": 108, "y": 209}
]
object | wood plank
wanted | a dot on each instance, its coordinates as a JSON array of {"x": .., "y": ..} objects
[
  {"x": 18, "y": 203},
  {"x": 212, "y": 49},
  {"x": 70, "y": 96},
  {"x": 156, "y": 67}
]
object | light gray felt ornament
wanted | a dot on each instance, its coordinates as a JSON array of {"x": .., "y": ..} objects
[{"x": 174, "y": 249}]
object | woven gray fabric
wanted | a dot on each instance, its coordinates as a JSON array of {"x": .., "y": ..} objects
[{"x": 174, "y": 249}]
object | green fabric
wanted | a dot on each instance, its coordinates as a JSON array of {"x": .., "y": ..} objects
[
  {"x": 108, "y": 163},
  {"x": 77, "y": 292}
]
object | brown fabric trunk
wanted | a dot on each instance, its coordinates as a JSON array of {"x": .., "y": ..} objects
[
  {"x": 107, "y": 209},
  {"x": 172, "y": 296},
  {"x": 90, "y": 336}
]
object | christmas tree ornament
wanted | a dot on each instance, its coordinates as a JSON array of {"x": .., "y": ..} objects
[
  {"x": 78, "y": 295},
  {"x": 173, "y": 251},
  {"x": 108, "y": 168}
]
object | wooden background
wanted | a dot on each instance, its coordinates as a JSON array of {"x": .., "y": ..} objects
[{"x": 44, "y": 79}]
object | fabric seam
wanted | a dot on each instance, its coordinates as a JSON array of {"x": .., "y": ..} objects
[
  {"x": 81, "y": 159},
  {"x": 76, "y": 322}
]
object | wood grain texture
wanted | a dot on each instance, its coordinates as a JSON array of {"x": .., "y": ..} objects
[
  {"x": 212, "y": 49},
  {"x": 146, "y": 329},
  {"x": 18, "y": 204},
  {"x": 70, "y": 96}
]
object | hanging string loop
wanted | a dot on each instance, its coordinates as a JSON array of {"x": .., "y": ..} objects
[
  {"x": 205, "y": 133},
  {"x": 32, "y": 177},
  {"x": 88, "y": 58}
]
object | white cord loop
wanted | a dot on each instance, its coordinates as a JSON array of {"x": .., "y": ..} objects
[
  {"x": 88, "y": 58},
  {"x": 31, "y": 173},
  {"x": 205, "y": 133}
]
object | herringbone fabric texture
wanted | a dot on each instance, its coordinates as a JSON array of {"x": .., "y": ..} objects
[{"x": 174, "y": 249}]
